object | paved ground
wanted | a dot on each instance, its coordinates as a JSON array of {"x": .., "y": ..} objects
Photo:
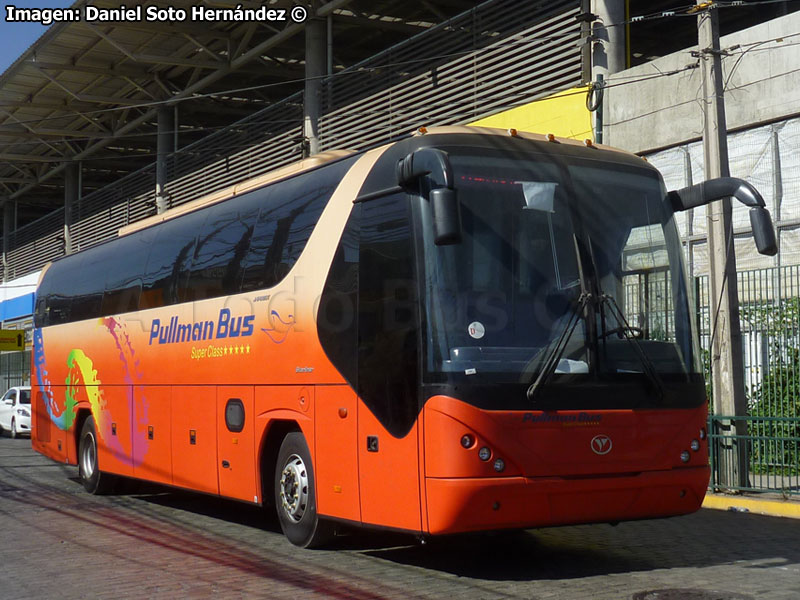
[{"x": 58, "y": 542}]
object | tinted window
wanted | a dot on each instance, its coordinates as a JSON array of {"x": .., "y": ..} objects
[
  {"x": 124, "y": 281},
  {"x": 338, "y": 307},
  {"x": 241, "y": 244},
  {"x": 387, "y": 317},
  {"x": 168, "y": 263},
  {"x": 286, "y": 222},
  {"x": 88, "y": 282},
  {"x": 54, "y": 296},
  {"x": 223, "y": 245},
  {"x": 24, "y": 396}
]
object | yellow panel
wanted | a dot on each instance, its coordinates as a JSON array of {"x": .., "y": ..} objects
[{"x": 563, "y": 114}]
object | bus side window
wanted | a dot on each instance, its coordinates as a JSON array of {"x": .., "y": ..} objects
[
  {"x": 388, "y": 323},
  {"x": 169, "y": 260},
  {"x": 285, "y": 224},
  {"x": 124, "y": 281},
  {"x": 87, "y": 284},
  {"x": 338, "y": 307},
  {"x": 51, "y": 308},
  {"x": 222, "y": 246}
]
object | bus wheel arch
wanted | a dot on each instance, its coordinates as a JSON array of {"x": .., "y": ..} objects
[
  {"x": 275, "y": 432},
  {"x": 80, "y": 419}
]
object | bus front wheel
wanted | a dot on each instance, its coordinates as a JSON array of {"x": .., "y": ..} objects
[
  {"x": 295, "y": 498},
  {"x": 94, "y": 481}
]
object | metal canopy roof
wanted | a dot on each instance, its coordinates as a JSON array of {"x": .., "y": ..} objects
[{"x": 89, "y": 91}]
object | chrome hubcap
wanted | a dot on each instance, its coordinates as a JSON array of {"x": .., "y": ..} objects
[
  {"x": 294, "y": 488},
  {"x": 89, "y": 457}
]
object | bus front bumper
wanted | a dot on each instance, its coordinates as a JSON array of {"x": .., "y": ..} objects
[{"x": 482, "y": 504}]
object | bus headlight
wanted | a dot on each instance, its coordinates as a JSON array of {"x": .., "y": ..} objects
[
  {"x": 695, "y": 445},
  {"x": 467, "y": 441},
  {"x": 485, "y": 453},
  {"x": 499, "y": 465},
  {"x": 685, "y": 456}
]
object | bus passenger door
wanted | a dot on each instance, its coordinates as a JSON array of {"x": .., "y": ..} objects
[
  {"x": 194, "y": 437},
  {"x": 235, "y": 443},
  {"x": 388, "y": 366}
]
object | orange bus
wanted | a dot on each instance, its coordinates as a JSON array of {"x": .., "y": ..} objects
[{"x": 466, "y": 329}]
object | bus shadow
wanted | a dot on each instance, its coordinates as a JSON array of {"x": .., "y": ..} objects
[
  {"x": 701, "y": 540},
  {"x": 704, "y": 539},
  {"x": 224, "y": 509}
]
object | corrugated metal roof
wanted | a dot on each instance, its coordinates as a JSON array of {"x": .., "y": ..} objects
[{"x": 88, "y": 91}]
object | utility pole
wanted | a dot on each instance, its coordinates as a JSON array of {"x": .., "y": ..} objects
[{"x": 726, "y": 350}]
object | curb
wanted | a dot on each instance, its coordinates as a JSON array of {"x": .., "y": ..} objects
[{"x": 772, "y": 508}]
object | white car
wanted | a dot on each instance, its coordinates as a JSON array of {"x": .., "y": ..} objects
[{"x": 15, "y": 411}]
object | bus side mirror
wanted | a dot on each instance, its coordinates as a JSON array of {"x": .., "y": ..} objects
[
  {"x": 723, "y": 187},
  {"x": 434, "y": 164},
  {"x": 446, "y": 217},
  {"x": 763, "y": 231}
]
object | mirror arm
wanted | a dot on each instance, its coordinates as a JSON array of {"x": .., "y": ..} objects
[
  {"x": 715, "y": 189},
  {"x": 725, "y": 187},
  {"x": 427, "y": 161}
]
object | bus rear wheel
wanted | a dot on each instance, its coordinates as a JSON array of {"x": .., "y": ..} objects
[
  {"x": 295, "y": 495},
  {"x": 94, "y": 481}
]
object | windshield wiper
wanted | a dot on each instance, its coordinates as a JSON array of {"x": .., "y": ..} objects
[
  {"x": 554, "y": 357},
  {"x": 628, "y": 333}
]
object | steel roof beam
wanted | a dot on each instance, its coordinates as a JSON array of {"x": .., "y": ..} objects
[{"x": 288, "y": 32}]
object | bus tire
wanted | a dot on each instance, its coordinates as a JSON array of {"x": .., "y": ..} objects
[
  {"x": 295, "y": 497},
  {"x": 94, "y": 481}
]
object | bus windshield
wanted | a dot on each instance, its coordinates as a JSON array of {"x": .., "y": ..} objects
[{"x": 548, "y": 244}]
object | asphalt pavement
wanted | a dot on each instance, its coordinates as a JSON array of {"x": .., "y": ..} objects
[{"x": 154, "y": 542}]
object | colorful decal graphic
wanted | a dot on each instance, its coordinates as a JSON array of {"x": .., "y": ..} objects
[
  {"x": 137, "y": 401},
  {"x": 274, "y": 334},
  {"x": 82, "y": 379},
  {"x": 61, "y": 419},
  {"x": 82, "y": 384}
]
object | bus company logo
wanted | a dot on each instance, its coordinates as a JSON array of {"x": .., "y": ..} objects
[
  {"x": 227, "y": 325},
  {"x": 601, "y": 444},
  {"x": 280, "y": 327}
]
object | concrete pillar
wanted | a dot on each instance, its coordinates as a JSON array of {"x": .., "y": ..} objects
[
  {"x": 316, "y": 66},
  {"x": 165, "y": 146},
  {"x": 8, "y": 221},
  {"x": 72, "y": 193},
  {"x": 608, "y": 51}
]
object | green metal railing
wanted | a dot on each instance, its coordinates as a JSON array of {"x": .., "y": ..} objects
[{"x": 755, "y": 454}]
